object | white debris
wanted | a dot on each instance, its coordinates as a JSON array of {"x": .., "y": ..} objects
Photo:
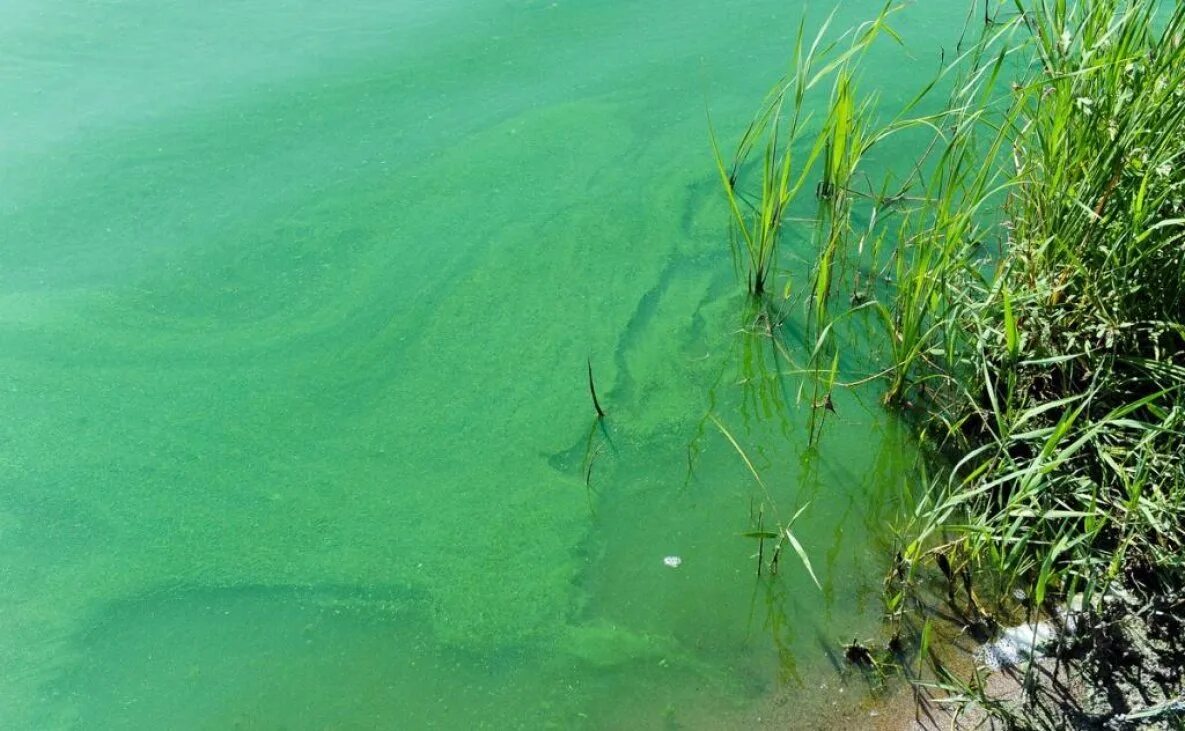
[
  {"x": 1017, "y": 644},
  {"x": 673, "y": 562}
]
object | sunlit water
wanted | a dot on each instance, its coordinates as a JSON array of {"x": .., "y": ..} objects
[{"x": 296, "y": 302}]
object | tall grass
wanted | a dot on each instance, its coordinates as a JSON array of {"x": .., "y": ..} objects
[
  {"x": 1057, "y": 374},
  {"x": 1034, "y": 327},
  {"x": 783, "y": 143}
]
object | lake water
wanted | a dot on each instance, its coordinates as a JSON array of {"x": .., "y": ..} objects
[{"x": 296, "y": 305}]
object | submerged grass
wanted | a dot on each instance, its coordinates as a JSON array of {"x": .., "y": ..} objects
[{"x": 1027, "y": 280}]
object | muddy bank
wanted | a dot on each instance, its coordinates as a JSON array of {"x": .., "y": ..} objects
[{"x": 1119, "y": 666}]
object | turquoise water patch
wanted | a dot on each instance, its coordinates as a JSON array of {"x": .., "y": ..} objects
[{"x": 296, "y": 308}]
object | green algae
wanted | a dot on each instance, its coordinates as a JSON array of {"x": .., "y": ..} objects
[{"x": 315, "y": 324}]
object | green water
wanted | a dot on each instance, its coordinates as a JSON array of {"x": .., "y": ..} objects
[{"x": 295, "y": 304}]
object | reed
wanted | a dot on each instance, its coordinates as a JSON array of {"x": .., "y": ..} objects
[
  {"x": 771, "y": 149},
  {"x": 1056, "y": 376},
  {"x": 1027, "y": 282}
]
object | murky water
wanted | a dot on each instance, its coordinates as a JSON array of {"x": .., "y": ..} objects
[{"x": 296, "y": 301}]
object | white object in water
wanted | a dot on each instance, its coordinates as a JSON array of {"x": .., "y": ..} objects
[
  {"x": 673, "y": 562},
  {"x": 1017, "y": 645}
]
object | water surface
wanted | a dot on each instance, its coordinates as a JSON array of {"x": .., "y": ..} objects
[{"x": 296, "y": 300}]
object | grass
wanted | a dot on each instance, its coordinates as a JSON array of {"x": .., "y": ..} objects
[
  {"x": 1034, "y": 327},
  {"x": 1053, "y": 379},
  {"x": 785, "y": 529},
  {"x": 770, "y": 145}
]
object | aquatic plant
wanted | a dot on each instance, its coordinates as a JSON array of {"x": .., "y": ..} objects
[
  {"x": 782, "y": 125},
  {"x": 1027, "y": 282},
  {"x": 592, "y": 391},
  {"x": 785, "y": 528}
]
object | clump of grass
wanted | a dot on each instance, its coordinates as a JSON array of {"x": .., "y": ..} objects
[
  {"x": 780, "y": 154},
  {"x": 775, "y": 137},
  {"x": 1057, "y": 378},
  {"x": 1034, "y": 327}
]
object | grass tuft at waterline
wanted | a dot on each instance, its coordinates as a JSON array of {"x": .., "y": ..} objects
[{"x": 1025, "y": 283}]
